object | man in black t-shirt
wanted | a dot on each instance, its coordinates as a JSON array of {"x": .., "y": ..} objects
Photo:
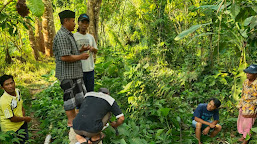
[{"x": 94, "y": 114}]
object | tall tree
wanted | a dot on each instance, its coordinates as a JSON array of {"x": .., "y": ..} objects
[
  {"x": 32, "y": 40},
  {"x": 48, "y": 27},
  {"x": 8, "y": 58},
  {"x": 39, "y": 35},
  {"x": 93, "y": 10}
]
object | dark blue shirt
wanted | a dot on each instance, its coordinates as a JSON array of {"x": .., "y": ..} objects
[{"x": 202, "y": 113}]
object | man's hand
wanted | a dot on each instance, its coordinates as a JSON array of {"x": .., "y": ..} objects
[
  {"x": 212, "y": 125},
  {"x": 85, "y": 48},
  {"x": 84, "y": 56},
  {"x": 206, "y": 130},
  {"x": 27, "y": 119},
  {"x": 120, "y": 120},
  {"x": 114, "y": 124}
]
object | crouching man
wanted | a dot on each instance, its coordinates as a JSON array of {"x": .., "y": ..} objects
[
  {"x": 12, "y": 113},
  {"x": 94, "y": 114},
  {"x": 202, "y": 118}
]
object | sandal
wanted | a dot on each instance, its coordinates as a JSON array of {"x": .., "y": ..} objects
[{"x": 102, "y": 136}]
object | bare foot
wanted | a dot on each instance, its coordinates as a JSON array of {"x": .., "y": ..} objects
[
  {"x": 245, "y": 142},
  {"x": 98, "y": 137},
  {"x": 241, "y": 139}
]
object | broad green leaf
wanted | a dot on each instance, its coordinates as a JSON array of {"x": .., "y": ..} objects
[
  {"x": 126, "y": 88},
  {"x": 165, "y": 111},
  {"x": 189, "y": 31},
  {"x": 161, "y": 44},
  {"x": 2, "y": 17},
  {"x": 16, "y": 140},
  {"x": 137, "y": 141},
  {"x": 159, "y": 132},
  {"x": 122, "y": 141},
  {"x": 247, "y": 137},
  {"x": 235, "y": 9},
  {"x": 235, "y": 92},
  {"x": 169, "y": 131},
  {"x": 178, "y": 119},
  {"x": 36, "y": 7},
  {"x": 248, "y": 21},
  {"x": 3, "y": 138},
  {"x": 244, "y": 33},
  {"x": 254, "y": 129},
  {"x": 253, "y": 22}
]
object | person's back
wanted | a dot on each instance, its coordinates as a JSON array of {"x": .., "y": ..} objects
[
  {"x": 95, "y": 113},
  {"x": 94, "y": 107}
]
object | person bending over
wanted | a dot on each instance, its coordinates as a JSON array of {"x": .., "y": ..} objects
[{"x": 94, "y": 113}]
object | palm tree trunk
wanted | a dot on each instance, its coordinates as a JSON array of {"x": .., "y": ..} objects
[
  {"x": 39, "y": 36},
  {"x": 32, "y": 40},
  {"x": 93, "y": 9},
  {"x": 48, "y": 27}
]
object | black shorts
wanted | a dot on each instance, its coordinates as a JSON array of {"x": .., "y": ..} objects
[{"x": 74, "y": 92}]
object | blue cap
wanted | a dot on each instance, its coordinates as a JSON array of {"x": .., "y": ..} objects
[
  {"x": 252, "y": 69},
  {"x": 83, "y": 17}
]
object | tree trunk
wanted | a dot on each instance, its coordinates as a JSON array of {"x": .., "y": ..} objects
[
  {"x": 32, "y": 40},
  {"x": 39, "y": 35},
  {"x": 48, "y": 27},
  {"x": 8, "y": 58},
  {"x": 93, "y": 10}
]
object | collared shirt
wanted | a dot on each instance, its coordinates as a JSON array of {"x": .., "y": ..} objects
[
  {"x": 10, "y": 106},
  {"x": 64, "y": 44},
  {"x": 248, "y": 100}
]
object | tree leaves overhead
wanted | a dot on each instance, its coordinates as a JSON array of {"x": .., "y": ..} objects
[
  {"x": 235, "y": 9},
  {"x": 36, "y": 7},
  {"x": 189, "y": 31}
]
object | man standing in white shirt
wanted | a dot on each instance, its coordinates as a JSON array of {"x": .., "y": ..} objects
[{"x": 86, "y": 40}]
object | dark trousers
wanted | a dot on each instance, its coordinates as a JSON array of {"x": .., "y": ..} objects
[
  {"x": 26, "y": 135},
  {"x": 89, "y": 80}
]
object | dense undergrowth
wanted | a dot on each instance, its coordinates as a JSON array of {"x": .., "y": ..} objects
[{"x": 157, "y": 100}]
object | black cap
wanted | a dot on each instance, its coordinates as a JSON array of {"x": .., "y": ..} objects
[
  {"x": 67, "y": 14},
  {"x": 83, "y": 17},
  {"x": 252, "y": 69}
]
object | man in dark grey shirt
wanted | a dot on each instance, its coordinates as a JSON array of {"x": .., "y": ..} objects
[
  {"x": 68, "y": 64},
  {"x": 94, "y": 114}
]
